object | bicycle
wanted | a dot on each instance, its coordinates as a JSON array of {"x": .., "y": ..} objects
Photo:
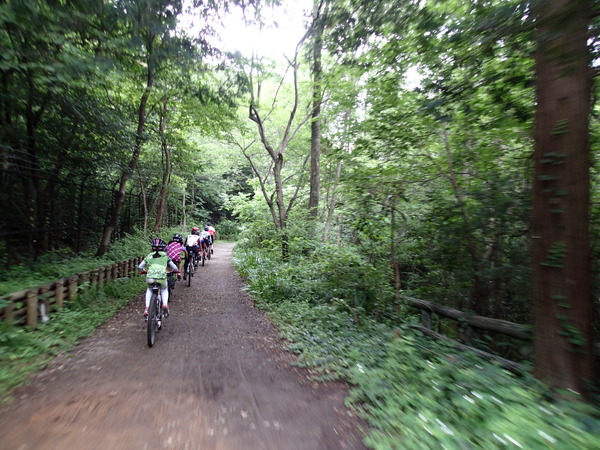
[
  {"x": 171, "y": 280},
  {"x": 204, "y": 253},
  {"x": 155, "y": 312},
  {"x": 191, "y": 267}
]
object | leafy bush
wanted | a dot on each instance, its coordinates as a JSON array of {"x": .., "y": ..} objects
[
  {"x": 416, "y": 393},
  {"x": 428, "y": 395},
  {"x": 228, "y": 230},
  {"x": 61, "y": 263}
]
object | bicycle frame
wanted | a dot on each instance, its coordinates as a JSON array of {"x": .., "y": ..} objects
[{"x": 155, "y": 314}]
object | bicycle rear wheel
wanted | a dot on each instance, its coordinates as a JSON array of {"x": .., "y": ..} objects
[
  {"x": 190, "y": 273},
  {"x": 152, "y": 320}
]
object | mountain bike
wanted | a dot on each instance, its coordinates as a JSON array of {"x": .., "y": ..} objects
[
  {"x": 171, "y": 280},
  {"x": 191, "y": 267},
  {"x": 155, "y": 312},
  {"x": 204, "y": 254}
]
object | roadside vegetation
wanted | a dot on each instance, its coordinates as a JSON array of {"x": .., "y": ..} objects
[
  {"x": 414, "y": 392},
  {"x": 23, "y": 351}
]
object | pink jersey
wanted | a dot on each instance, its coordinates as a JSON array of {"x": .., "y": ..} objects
[{"x": 174, "y": 250}]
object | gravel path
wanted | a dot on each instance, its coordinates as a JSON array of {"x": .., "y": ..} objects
[{"x": 217, "y": 378}]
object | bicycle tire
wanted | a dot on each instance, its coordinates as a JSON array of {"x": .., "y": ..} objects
[
  {"x": 190, "y": 273},
  {"x": 208, "y": 254},
  {"x": 203, "y": 258},
  {"x": 171, "y": 283},
  {"x": 152, "y": 320}
]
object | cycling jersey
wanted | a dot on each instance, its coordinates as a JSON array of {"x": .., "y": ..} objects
[
  {"x": 174, "y": 250},
  {"x": 192, "y": 240}
]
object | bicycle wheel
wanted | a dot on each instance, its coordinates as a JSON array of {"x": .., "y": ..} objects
[
  {"x": 190, "y": 273},
  {"x": 152, "y": 320},
  {"x": 208, "y": 254},
  {"x": 203, "y": 257},
  {"x": 171, "y": 282}
]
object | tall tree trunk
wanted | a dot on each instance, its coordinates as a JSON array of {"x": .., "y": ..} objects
[
  {"x": 110, "y": 226},
  {"x": 563, "y": 305},
  {"x": 394, "y": 259},
  {"x": 144, "y": 202},
  {"x": 162, "y": 196},
  {"x": 315, "y": 127},
  {"x": 332, "y": 202}
]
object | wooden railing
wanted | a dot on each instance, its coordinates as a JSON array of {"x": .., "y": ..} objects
[
  {"x": 467, "y": 324},
  {"x": 32, "y": 306}
]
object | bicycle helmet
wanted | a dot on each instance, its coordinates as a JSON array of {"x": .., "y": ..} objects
[
  {"x": 195, "y": 230},
  {"x": 157, "y": 244},
  {"x": 178, "y": 238},
  {"x": 205, "y": 228}
]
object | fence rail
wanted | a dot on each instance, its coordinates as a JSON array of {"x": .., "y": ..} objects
[
  {"x": 468, "y": 323},
  {"x": 29, "y": 307}
]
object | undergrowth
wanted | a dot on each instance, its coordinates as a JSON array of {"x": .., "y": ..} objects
[
  {"x": 415, "y": 393},
  {"x": 23, "y": 352},
  {"x": 62, "y": 263}
]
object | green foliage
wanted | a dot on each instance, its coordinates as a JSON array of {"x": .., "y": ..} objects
[
  {"x": 427, "y": 395},
  {"x": 340, "y": 276},
  {"x": 23, "y": 352},
  {"x": 228, "y": 229},
  {"x": 416, "y": 393},
  {"x": 64, "y": 263}
]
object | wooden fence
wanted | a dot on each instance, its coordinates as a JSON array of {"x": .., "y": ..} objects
[
  {"x": 32, "y": 306},
  {"x": 467, "y": 324}
]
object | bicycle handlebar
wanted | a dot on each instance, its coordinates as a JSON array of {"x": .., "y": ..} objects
[{"x": 143, "y": 272}]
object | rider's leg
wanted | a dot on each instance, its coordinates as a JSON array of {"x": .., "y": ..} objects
[
  {"x": 148, "y": 297},
  {"x": 164, "y": 293}
]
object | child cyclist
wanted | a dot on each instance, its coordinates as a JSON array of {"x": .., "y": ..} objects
[
  {"x": 176, "y": 251},
  {"x": 157, "y": 263},
  {"x": 212, "y": 232},
  {"x": 205, "y": 240},
  {"x": 191, "y": 245}
]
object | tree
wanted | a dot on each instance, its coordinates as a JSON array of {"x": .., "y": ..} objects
[
  {"x": 319, "y": 19},
  {"x": 563, "y": 305},
  {"x": 152, "y": 25},
  {"x": 276, "y": 201}
]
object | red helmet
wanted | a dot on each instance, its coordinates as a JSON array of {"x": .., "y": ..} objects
[{"x": 195, "y": 230}]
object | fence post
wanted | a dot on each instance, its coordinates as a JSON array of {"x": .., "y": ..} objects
[
  {"x": 9, "y": 310},
  {"x": 32, "y": 308},
  {"x": 59, "y": 293},
  {"x": 94, "y": 278},
  {"x": 72, "y": 289},
  {"x": 465, "y": 331},
  {"x": 101, "y": 272},
  {"x": 426, "y": 319},
  {"x": 84, "y": 278}
]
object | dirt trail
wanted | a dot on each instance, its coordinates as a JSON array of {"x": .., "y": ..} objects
[{"x": 217, "y": 378}]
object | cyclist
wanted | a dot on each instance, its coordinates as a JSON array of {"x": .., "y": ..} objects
[
  {"x": 157, "y": 262},
  {"x": 175, "y": 250},
  {"x": 191, "y": 245},
  {"x": 212, "y": 232},
  {"x": 205, "y": 239}
]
